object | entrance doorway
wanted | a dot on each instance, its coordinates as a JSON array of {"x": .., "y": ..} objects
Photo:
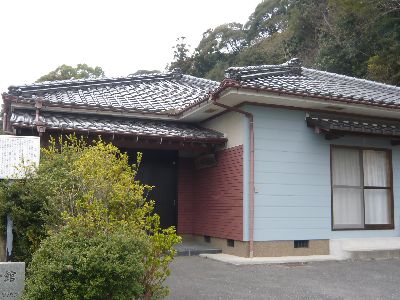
[{"x": 159, "y": 169}]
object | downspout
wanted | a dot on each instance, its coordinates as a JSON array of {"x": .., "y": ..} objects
[
  {"x": 6, "y": 113},
  {"x": 39, "y": 124},
  {"x": 249, "y": 116},
  {"x": 5, "y": 121}
]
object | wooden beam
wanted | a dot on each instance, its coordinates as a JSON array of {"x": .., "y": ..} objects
[{"x": 134, "y": 142}]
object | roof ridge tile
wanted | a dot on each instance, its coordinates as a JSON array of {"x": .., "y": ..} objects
[{"x": 291, "y": 67}]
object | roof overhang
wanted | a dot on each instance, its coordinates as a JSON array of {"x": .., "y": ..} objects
[
  {"x": 143, "y": 129},
  {"x": 234, "y": 96},
  {"x": 334, "y": 126}
]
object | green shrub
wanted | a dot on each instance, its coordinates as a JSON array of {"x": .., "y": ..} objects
[
  {"x": 74, "y": 264},
  {"x": 91, "y": 188},
  {"x": 36, "y": 203}
]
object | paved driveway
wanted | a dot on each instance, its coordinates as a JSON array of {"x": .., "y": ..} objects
[{"x": 201, "y": 278}]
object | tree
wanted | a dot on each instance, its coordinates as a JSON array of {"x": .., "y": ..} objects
[
  {"x": 89, "y": 188},
  {"x": 352, "y": 37},
  {"x": 384, "y": 64},
  {"x": 64, "y": 72},
  {"x": 217, "y": 49},
  {"x": 268, "y": 18},
  {"x": 272, "y": 50},
  {"x": 182, "y": 59},
  {"x": 36, "y": 202},
  {"x": 228, "y": 38},
  {"x": 389, "y": 6}
]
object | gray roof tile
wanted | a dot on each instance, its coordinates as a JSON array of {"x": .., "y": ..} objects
[
  {"x": 292, "y": 77},
  {"x": 171, "y": 93},
  {"x": 108, "y": 124},
  {"x": 343, "y": 123},
  {"x": 158, "y": 92}
]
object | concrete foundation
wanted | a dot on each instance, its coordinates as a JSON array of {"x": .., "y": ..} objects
[
  {"x": 286, "y": 248},
  {"x": 281, "y": 252},
  {"x": 264, "y": 249}
]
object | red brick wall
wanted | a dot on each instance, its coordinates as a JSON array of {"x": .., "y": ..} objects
[{"x": 210, "y": 201}]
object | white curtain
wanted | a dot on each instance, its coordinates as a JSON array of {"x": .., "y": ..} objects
[
  {"x": 347, "y": 201},
  {"x": 346, "y": 167},
  {"x": 350, "y": 198},
  {"x": 376, "y": 206},
  {"x": 375, "y": 168},
  {"x": 348, "y": 208},
  {"x": 376, "y": 173}
]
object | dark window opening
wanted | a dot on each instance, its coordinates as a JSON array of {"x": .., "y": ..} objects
[
  {"x": 230, "y": 243},
  {"x": 207, "y": 239}
]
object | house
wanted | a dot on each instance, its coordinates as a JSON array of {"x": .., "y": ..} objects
[{"x": 275, "y": 160}]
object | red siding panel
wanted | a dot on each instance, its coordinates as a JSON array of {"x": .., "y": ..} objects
[{"x": 210, "y": 201}]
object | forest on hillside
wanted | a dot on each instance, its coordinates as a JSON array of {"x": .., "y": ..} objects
[{"x": 359, "y": 38}]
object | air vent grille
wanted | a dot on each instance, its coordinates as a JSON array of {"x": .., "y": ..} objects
[
  {"x": 301, "y": 244},
  {"x": 205, "y": 161}
]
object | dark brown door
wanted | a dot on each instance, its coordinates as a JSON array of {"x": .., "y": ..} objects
[{"x": 159, "y": 169}]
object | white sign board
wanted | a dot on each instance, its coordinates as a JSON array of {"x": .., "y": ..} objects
[{"x": 17, "y": 151}]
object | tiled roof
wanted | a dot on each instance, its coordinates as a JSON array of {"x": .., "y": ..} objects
[
  {"x": 101, "y": 124},
  {"x": 158, "y": 93},
  {"x": 291, "y": 77},
  {"x": 171, "y": 93},
  {"x": 343, "y": 123}
]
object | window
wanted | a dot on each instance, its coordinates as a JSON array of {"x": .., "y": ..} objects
[{"x": 361, "y": 188}]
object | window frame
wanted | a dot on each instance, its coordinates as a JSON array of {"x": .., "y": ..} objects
[{"x": 363, "y": 187}]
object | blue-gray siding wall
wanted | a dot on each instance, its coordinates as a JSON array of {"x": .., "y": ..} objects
[{"x": 292, "y": 178}]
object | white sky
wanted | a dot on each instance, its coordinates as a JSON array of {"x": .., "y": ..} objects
[{"x": 120, "y": 36}]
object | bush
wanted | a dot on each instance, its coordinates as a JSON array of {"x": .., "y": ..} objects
[
  {"x": 36, "y": 203},
  {"x": 77, "y": 265},
  {"x": 89, "y": 188}
]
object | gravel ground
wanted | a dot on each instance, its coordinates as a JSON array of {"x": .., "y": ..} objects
[{"x": 200, "y": 278}]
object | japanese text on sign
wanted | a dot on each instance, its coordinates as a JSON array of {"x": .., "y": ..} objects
[{"x": 15, "y": 152}]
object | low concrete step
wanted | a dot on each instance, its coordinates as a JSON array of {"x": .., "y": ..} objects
[
  {"x": 374, "y": 254},
  {"x": 186, "y": 249},
  {"x": 365, "y": 248}
]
